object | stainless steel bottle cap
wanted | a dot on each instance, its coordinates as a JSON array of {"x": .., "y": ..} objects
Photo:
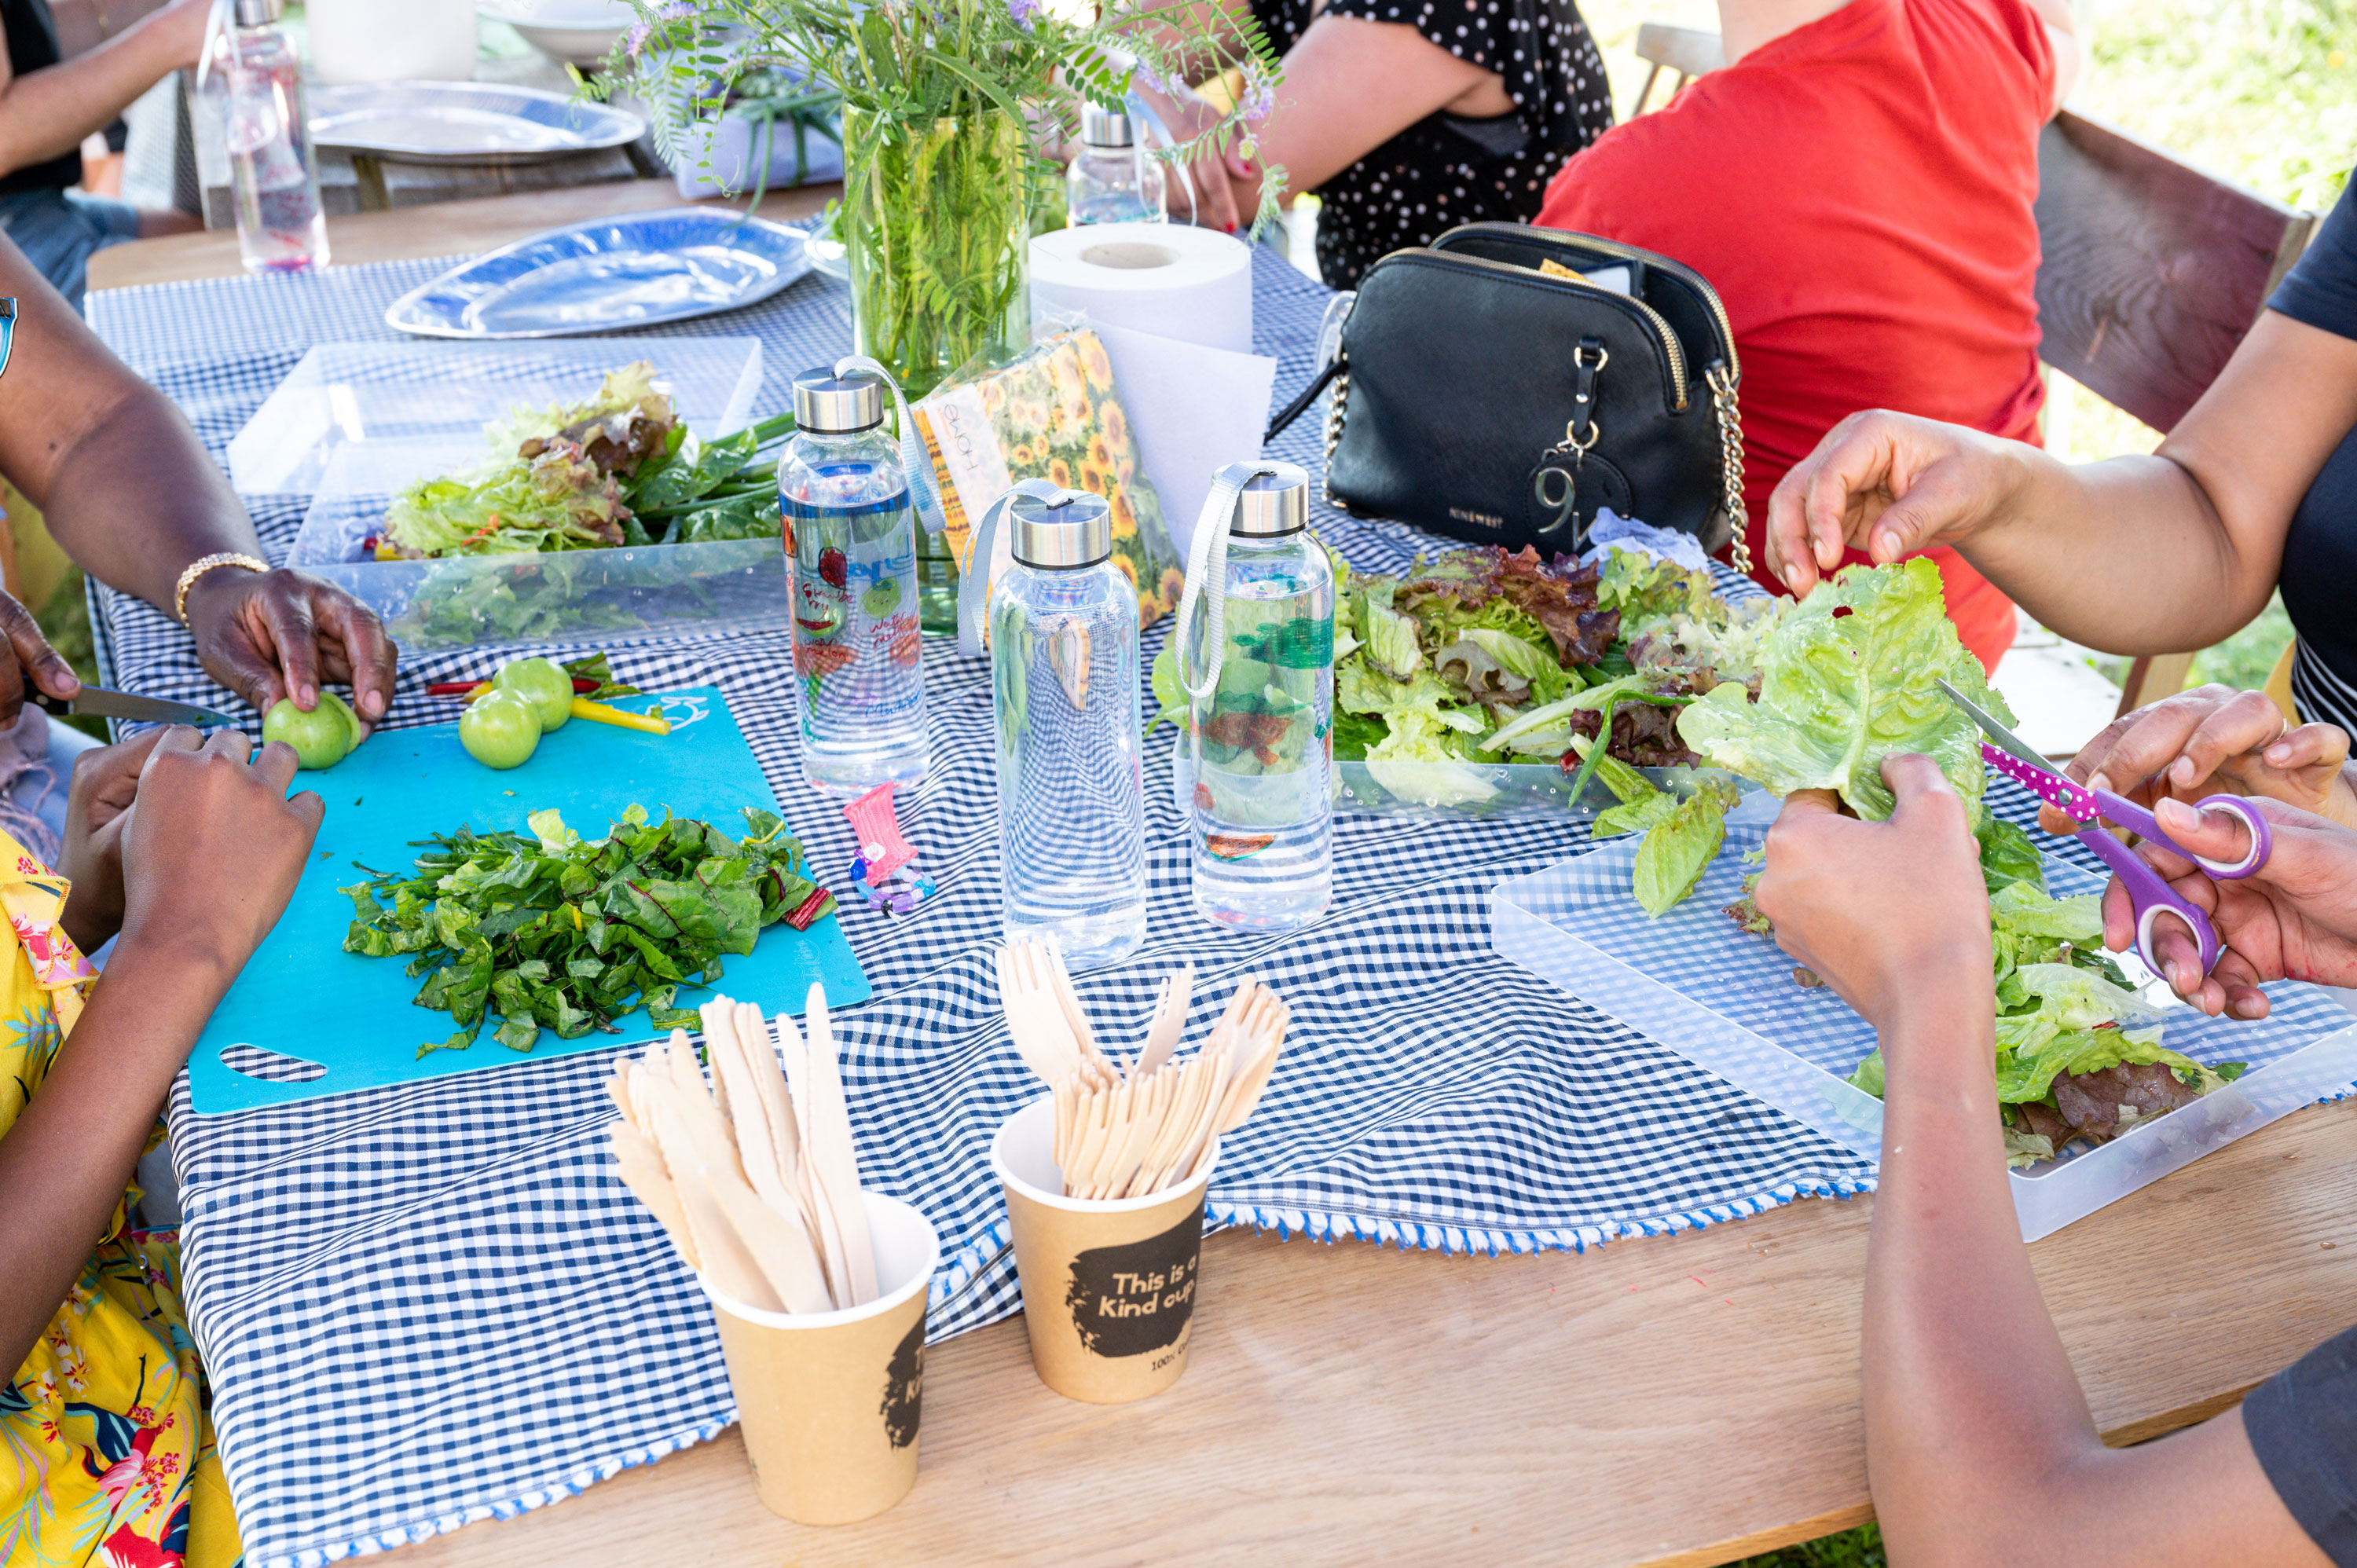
[
  {"x": 829, "y": 404},
  {"x": 259, "y": 12},
  {"x": 1104, "y": 128},
  {"x": 1272, "y": 503},
  {"x": 1070, "y": 529}
]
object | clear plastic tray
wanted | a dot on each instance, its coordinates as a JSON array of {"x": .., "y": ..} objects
[
  {"x": 1725, "y": 1001},
  {"x": 398, "y": 412},
  {"x": 573, "y": 595}
]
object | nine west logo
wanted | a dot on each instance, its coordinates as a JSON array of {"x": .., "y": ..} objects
[{"x": 1483, "y": 517}]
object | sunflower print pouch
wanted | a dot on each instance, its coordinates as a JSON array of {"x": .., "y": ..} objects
[{"x": 1052, "y": 414}]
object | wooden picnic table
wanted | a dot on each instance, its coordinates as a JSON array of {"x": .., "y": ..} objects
[{"x": 1683, "y": 1399}]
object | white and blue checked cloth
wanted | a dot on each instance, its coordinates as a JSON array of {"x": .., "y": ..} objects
[{"x": 427, "y": 1305}]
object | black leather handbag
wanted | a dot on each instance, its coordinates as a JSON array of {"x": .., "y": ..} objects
[{"x": 1488, "y": 389}]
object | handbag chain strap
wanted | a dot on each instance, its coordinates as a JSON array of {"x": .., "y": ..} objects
[
  {"x": 1722, "y": 382},
  {"x": 1335, "y": 415}
]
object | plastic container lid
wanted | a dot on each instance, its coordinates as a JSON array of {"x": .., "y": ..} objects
[{"x": 385, "y": 415}]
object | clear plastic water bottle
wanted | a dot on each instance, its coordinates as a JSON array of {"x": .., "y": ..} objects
[
  {"x": 1263, "y": 741},
  {"x": 1112, "y": 180},
  {"x": 281, "y": 226},
  {"x": 1064, "y": 685},
  {"x": 851, "y": 566}
]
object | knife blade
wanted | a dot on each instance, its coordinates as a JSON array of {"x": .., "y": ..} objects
[
  {"x": 2005, "y": 739},
  {"x": 101, "y": 703}
]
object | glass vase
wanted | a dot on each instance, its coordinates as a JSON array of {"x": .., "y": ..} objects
[{"x": 935, "y": 228}]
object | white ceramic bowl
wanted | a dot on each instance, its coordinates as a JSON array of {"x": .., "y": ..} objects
[{"x": 580, "y": 31}]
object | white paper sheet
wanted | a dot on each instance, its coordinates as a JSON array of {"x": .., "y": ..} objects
[{"x": 1195, "y": 410}]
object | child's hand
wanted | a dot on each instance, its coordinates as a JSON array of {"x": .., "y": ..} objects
[
  {"x": 2215, "y": 740},
  {"x": 1884, "y": 912},
  {"x": 98, "y": 808},
  {"x": 212, "y": 850},
  {"x": 2293, "y": 919}
]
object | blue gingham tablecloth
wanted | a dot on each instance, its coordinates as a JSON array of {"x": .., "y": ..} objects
[{"x": 427, "y": 1305}]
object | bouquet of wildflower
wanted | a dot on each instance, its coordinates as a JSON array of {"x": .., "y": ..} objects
[
  {"x": 914, "y": 63},
  {"x": 946, "y": 107}
]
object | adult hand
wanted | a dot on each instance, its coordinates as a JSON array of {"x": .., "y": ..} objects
[
  {"x": 1208, "y": 176},
  {"x": 267, "y": 635},
  {"x": 2293, "y": 919},
  {"x": 1890, "y": 484},
  {"x": 212, "y": 850},
  {"x": 1884, "y": 912},
  {"x": 29, "y": 660},
  {"x": 2213, "y": 740},
  {"x": 98, "y": 809}
]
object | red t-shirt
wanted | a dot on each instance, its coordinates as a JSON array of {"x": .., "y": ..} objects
[{"x": 1858, "y": 191}]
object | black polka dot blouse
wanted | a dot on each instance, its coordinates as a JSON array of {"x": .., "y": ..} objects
[{"x": 1446, "y": 169}]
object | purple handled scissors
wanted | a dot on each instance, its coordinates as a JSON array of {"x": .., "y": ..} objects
[{"x": 2148, "y": 894}]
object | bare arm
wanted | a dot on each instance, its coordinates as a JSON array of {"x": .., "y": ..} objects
[
  {"x": 46, "y": 112},
  {"x": 84, "y": 24},
  {"x": 2062, "y": 37},
  {"x": 2149, "y": 555},
  {"x": 1978, "y": 1437},
  {"x": 132, "y": 495}
]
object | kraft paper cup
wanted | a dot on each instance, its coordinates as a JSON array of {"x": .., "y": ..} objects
[
  {"x": 829, "y": 1400},
  {"x": 1108, "y": 1285}
]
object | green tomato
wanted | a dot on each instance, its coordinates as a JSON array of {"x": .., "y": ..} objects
[
  {"x": 545, "y": 683},
  {"x": 502, "y": 730},
  {"x": 321, "y": 739}
]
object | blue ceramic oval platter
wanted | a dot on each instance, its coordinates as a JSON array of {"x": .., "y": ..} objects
[{"x": 635, "y": 271}]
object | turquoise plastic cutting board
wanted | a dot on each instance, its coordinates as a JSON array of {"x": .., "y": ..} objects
[{"x": 304, "y": 997}]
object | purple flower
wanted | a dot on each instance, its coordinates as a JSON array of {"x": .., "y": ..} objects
[
  {"x": 1022, "y": 11},
  {"x": 675, "y": 10},
  {"x": 1259, "y": 95}
]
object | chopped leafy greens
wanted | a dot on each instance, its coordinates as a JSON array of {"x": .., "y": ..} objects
[{"x": 547, "y": 929}]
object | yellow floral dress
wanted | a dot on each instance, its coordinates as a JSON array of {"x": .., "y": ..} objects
[{"x": 106, "y": 1452}]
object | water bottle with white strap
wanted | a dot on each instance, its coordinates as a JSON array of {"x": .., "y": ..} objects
[
  {"x": 1064, "y": 689},
  {"x": 851, "y": 568},
  {"x": 1256, "y": 655}
]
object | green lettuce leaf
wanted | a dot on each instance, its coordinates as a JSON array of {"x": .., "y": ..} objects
[
  {"x": 1634, "y": 816},
  {"x": 1678, "y": 849},
  {"x": 1848, "y": 677},
  {"x": 2008, "y": 854},
  {"x": 1392, "y": 643},
  {"x": 1645, "y": 589},
  {"x": 2019, "y": 909}
]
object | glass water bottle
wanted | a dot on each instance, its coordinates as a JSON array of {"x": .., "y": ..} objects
[
  {"x": 1064, "y": 686},
  {"x": 851, "y": 567},
  {"x": 1112, "y": 180},
  {"x": 1264, "y": 741},
  {"x": 281, "y": 226}
]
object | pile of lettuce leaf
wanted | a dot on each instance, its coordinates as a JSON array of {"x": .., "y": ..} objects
[{"x": 618, "y": 470}]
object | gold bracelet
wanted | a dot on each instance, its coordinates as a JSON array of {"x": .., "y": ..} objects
[{"x": 203, "y": 565}]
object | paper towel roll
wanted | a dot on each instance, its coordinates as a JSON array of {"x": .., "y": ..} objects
[{"x": 1170, "y": 279}]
